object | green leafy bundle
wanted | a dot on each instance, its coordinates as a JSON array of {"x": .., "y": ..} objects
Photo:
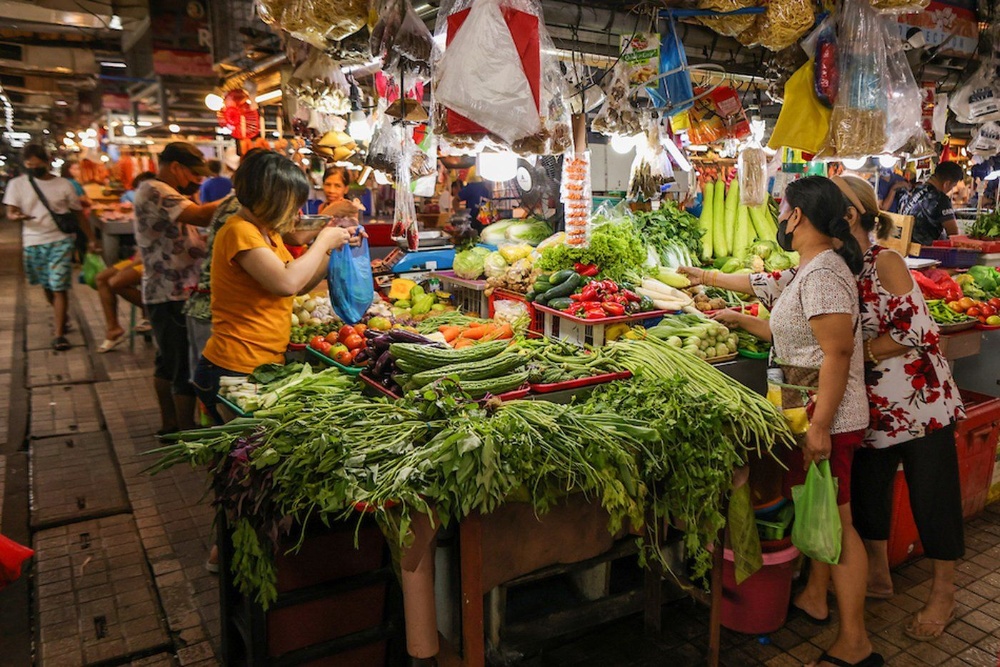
[
  {"x": 615, "y": 247},
  {"x": 668, "y": 225},
  {"x": 986, "y": 226}
]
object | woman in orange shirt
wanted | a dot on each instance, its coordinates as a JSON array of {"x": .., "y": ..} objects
[{"x": 254, "y": 276}]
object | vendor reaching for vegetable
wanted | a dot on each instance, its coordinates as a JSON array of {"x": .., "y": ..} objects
[{"x": 253, "y": 275}]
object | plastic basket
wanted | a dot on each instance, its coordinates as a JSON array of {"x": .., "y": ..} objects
[
  {"x": 557, "y": 324},
  {"x": 469, "y": 296},
  {"x": 536, "y": 321},
  {"x": 965, "y": 242},
  {"x": 952, "y": 258},
  {"x": 347, "y": 370},
  {"x": 232, "y": 406}
]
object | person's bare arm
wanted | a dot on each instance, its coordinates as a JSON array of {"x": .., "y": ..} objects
[
  {"x": 835, "y": 334},
  {"x": 737, "y": 282},
  {"x": 16, "y": 214},
  {"x": 895, "y": 278},
  {"x": 87, "y": 230},
  {"x": 758, "y": 327},
  {"x": 199, "y": 215},
  {"x": 296, "y": 276},
  {"x": 951, "y": 226}
]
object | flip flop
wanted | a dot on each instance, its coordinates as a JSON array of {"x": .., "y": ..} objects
[
  {"x": 799, "y": 612},
  {"x": 911, "y": 629},
  {"x": 60, "y": 344},
  {"x": 110, "y": 344},
  {"x": 144, "y": 326},
  {"x": 873, "y": 660}
]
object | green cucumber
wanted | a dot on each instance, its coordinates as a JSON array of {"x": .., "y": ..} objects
[
  {"x": 562, "y": 289},
  {"x": 542, "y": 286},
  {"x": 560, "y": 303},
  {"x": 559, "y": 277}
]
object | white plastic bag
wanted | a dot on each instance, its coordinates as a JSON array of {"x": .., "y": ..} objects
[
  {"x": 752, "y": 167},
  {"x": 905, "y": 99},
  {"x": 978, "y": 99},
  {"x": 986, "y": 140},
  {"x": 487, "y": 85}
]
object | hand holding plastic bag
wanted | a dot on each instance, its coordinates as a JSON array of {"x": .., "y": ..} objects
[
  {"x": 488, "y": 86},
  {"x": 92, "y": 265},
  {"x": 349, "y": 276},
  {"x": 817, "y": 531}
]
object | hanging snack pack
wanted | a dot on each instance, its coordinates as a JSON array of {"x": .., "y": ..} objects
[
  {"x": 411, "y": 48},
  {"x": 319, "y": 84},
  {"x": 752, "y": 168},
  {"x": 858, "y": 121},
  {"x": 316, "y": 21},
  {"x": 978, "y": 99},
  {"x": 577, "y": 198},
  {"x": 617, "y": 116},
  {"x": 384, "y": 151},
  {"x": 986, "y": 140},
  {"x": 349, "y": 276},
  {"x": 651, "y": 168}
]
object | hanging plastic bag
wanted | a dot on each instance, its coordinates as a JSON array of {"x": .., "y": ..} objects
[
  {"x": 858, "y": 121},
  {"x": 986, "y": 140},
  {"x": 92, "y": 265},
  {"x": 319, "y": 84},
  {"x": 385, "y": 148},
  {"x": 411, "y": 49},
  {"x": 488, "y": 86},
  {"x": 978, "y": 99},
  {"x": 651, "y": 168},
  {"x": 904, "y": 96},
  {"x": 617, "y": 116},
  {"x": 782, "y": 24},
  {"x": 899, "y": 6},
  {"x": 12, "y": 556},
  {"x": 349, "y": 276},
  {"x": 390, "y": 18},
  {"x": 821, "y": 46},
  {"x": 817, "y": 531},
  {"x": 675, "y": 91},
  {"x": 752, "y": 168}
]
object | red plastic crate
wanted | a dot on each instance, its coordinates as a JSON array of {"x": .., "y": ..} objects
[
  {"x": 581, "y": 382},
  {"x": 535, "y": 323},
  {"x": 960, "y": 241},
  {"x": 976, "y": 439}
]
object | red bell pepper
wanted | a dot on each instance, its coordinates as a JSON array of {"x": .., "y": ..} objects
[
  {"x": 586, "y": 270},
  {"x": 578, "y": 297},
  {"x": 589, "y": 292},
  {"x": 613, "y": 309},
  {"x": 631, "y": 296}
]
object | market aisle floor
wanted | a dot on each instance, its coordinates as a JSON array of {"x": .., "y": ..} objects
[{"x": 119, "y": 575}]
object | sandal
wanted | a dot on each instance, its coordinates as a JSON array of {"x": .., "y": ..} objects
[
  {"x": 60, "y": 344},
  {"x": 110, "y": 344},
  {"x": 911, "y": 629},
  {"x": 143, "y": 326},
  {"x": 873, "y": 660},
  {"x": 798, "y": 612}
]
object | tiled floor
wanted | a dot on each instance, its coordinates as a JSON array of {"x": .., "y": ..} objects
[{"x": 157, "y": 538}]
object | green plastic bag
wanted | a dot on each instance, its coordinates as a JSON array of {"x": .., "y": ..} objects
[
  {"x": 92, "y": 265},
  {"x": 817, "y": 530}
]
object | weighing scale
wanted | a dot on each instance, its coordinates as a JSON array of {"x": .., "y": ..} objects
[{"x": 435, "y": 254}]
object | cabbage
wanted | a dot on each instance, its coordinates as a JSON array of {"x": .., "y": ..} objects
[
  {"x": 763, "y": 249},
  {"x": 480, "y": 251},
  {"x": 495, "y": 265},
  {"x": 468, "y": 264},
  {"x": 512, "y": 253},
  {"x": 778, "y": 261},
  {"x": 496, "y": 233},
  {"x": 531, "y": 232}
]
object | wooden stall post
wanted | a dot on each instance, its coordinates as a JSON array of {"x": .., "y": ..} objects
[{"x": 471, "y": 548}]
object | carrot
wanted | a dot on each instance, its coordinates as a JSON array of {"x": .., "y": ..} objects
[
  {"x": 504, "y": 332},
  {"x": 475, "y": 333},
  {"x": 463, "y": 342},
  {"x": 450, "y": 333}
]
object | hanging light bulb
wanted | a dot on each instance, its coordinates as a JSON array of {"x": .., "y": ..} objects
[
  {"x": 129, "y": 130},
  {"x": 214, "y": 102},
  {"x": 855, "y": 164},
  {"x": 887, "y": 161},
  {"x": 174, "y": 127},
  {"x": 622, "y": 144},
  {"x": 497, "y": 167},
  {"x": 359, "y": 128}
]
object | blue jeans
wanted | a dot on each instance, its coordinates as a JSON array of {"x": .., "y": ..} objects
[{"x": 206, "y": 385}]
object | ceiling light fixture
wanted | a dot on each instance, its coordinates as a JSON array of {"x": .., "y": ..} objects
[
  {"x": 129, "y": 130},
  {"x": 214, "y": 102},
  {"x": 267, "y": 97},
  {"x": 855, "y": 163},
  {"x": 174, "y": 127},
  {"x": 112, "y": 63},
  {"x": 115, "y": 23}
]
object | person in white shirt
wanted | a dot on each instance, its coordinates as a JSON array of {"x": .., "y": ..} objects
[{"x": 48, "y": 251}]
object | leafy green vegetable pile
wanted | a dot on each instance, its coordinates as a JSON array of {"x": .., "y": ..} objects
[
  {"x": 669, "y": 225},
  {"x": 986, "y": 226},
  {"x": 666, "y": 443},
  {"x": 615, "y": 247}
]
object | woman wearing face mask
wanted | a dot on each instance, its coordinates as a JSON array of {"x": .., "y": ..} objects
[{"x": 815, "y": 324}]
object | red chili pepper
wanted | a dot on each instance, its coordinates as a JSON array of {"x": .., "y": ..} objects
[
  {"x": 577, "y": 297},
  {"x": 631, "y": 296},
  {"x": 619, "y": 298},
  {"x": 611, "y": 286},
  {"x": 590, "y": 292},
  {"x": 586, "y": 270},
  {"x": 613, "y": 309}
]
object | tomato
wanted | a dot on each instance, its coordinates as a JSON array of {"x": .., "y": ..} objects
[
  {"x": 345, "y": 331},
  {"x": 354, "y": 342},
  {"x": 966, "y": 303},
  {"x": 973, "y": 312},
  {"x": 993, "y": 321},
  {"x": 316, "y": 341},
  {"x": 956, "y": 306},
  {"x": 995, "y": 302},
  {"x": 343, "y": 357},
  {"x": 987, "y": 310},
  {"x": 359, "y": 329},
  {"x": 331, "y": 338},
  {"x": 323, "y": 347}
]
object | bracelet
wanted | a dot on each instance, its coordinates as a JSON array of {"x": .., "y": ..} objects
[
  {"x": 714, "y": 279},
  {"x": 868, "y": 350}
]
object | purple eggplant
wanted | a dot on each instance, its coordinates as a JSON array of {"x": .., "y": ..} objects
[
  {"x": 381, "y": 367},
  {"x": 362, "y": 356},
  {"x": 402, "y": 336}
]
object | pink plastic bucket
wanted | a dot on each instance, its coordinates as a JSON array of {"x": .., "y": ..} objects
[{"x": 760, "y": 604}]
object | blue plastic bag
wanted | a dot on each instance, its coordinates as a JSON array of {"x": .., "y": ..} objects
[{"x": 349, "y": 275}]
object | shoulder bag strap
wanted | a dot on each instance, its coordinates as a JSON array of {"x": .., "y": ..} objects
[{"x": 41, "y": 197}]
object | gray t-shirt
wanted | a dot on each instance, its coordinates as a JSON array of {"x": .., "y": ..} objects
[
  {"x": 172, "y": 252},
  {"x": 825, "y": 286}
]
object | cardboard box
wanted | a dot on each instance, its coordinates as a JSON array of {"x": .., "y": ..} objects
[{"x": 902, "y": 233}]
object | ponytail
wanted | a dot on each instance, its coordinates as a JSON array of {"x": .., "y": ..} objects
[{"x": 822, "y": 202}]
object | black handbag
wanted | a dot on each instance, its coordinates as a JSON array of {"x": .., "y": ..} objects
[{"x": 66, "y": 222}]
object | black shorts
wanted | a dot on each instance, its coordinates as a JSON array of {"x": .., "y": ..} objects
[
  {"x": 207, "y": 378},
  {"x": 170, "y": 331}
]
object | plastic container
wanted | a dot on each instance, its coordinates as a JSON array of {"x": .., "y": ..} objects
[
  {"x": 961, "y": 241},
  {"x": 752, "y": 355},
  {"x": 557, "y": 324},
  {"x": 232, "y": 406},
  {"x": 536, "y": 323},
  {"x": 953, "y": 258},
  {"x": 469, "y": 296},
  {"x": 582, "y": 382},
  {"x": 347, "y": 370},
  {"x": 759, "y": 605}
]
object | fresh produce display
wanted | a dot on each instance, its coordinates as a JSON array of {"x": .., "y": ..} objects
[
  {"x": 673, "y": 234},
  {"x": 750, "y": 343},
  {"x": 937, "y": 284},
  {"x": 615, "y": 246},
  {"x": 985, "y": 278},
  {"x": 985, "y": 227},
  {"x": 459, "y": 336},
  {"x": 469, "y": 264},
  {"x": 489, "y": 368},
  {"x": 663, "y": 296},
  {"x": 703, "y": 302},
  {"x": 416, "y": 304},
  {"x": 704, "y": 338},
  {"x": 346, "y": 346},
  {"x": 735, "y": 234},
  {"x": 272, "y": 383},
  {"x": 553, "y": 361},
  {"x": 964, "y": 309},
  {"x": 311, "y": 310},
  {"x": 302, "y": 335},
  {"x": 530, "y": 231}
]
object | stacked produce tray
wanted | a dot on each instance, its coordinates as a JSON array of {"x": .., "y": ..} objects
[
  {"x": 557, "y": 324},
  {"x": 952, "y": 258},
  {"x": 348, "y": 370},
  {"x": 469, "y": 296},
  {"x": 548, "y": 388},
  {"x": 536, "y": 323}
]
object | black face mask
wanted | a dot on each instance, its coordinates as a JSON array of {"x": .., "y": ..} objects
[
  {"x": 784, "y": 236},
  {"x": 39, "y": 172},
  {"x": 189, "y": 189}
]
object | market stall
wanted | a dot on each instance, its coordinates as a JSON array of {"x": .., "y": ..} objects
[{"x": 538, "y": 389}]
